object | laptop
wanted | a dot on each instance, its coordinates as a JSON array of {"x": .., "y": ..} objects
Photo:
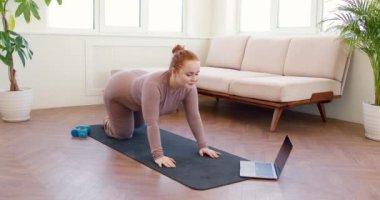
[{"x": 262, "y": 170}]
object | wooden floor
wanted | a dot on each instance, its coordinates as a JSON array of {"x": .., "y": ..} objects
[{"x": 40, "y": 160}]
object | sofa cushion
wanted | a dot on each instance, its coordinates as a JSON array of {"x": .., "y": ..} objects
[
  {"x": 282, "y": 88},
  {"x": 218, "y": 79},
  {"x": 226, "y": 52},
  {"x": 265, "y": 55},
  {"x": 323, "y": 57}
]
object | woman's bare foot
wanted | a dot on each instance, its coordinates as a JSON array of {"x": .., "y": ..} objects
[{"x": 106, "y": 124}]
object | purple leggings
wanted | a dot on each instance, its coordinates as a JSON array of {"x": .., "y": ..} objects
[{"x": 124, "y": 113}]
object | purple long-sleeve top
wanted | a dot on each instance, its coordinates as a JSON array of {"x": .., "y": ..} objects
[{"x": 152, "y": 95}]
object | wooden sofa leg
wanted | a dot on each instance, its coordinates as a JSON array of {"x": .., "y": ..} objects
[
  {"x": 217, "y": 99},
  {"x": 321, "y": 108},
  {"x": 276, "y": 117}
]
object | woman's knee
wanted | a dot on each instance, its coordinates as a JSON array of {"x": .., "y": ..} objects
[
  {"x": 119, "y": 132},
  {"x": 125, "y": 133}
]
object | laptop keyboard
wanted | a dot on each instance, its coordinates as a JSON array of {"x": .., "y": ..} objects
[{"x": 264, "y": 170}]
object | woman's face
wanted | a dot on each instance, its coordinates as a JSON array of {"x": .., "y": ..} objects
[{"x": 187, "y": 76}]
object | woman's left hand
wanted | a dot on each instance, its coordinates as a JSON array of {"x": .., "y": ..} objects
[{"x": 209, "y": 152}]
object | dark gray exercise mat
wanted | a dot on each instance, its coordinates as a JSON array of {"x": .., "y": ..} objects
[{"x": 192, "y": 170}]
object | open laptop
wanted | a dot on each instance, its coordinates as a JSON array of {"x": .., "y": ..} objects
[{"x": 264, "y": 170}]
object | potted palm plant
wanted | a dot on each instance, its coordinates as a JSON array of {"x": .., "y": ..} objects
[
  {"x": 358, "y": 24},
  {"x": 15, "y": 103}
]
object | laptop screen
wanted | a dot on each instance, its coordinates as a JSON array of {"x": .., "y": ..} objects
[{"x": 283, "y": 155}]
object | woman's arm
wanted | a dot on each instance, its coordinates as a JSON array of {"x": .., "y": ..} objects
[
  {"x": 150, "y": 97},
  {"x": 194, "y": 119},
  {"x": 150, "y": 103},
  {"x": 190, "y": 104}
]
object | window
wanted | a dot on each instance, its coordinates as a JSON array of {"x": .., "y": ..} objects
[
  {"x": 71, "y": 14},
  {"x": 165, "y": 15},
  {"x": 329, "y": 7},
  {"x": 255, "y": 15},
  {"x": 122, "y": 13},
  {"x": 141, "y": 15},
  {"x": 118, "y": 15},
  {"x": 278, "y": 15},
  {"x": 294, "y": 13}
]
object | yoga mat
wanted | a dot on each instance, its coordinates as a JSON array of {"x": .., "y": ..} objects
[{"x": 192, "y": 170}]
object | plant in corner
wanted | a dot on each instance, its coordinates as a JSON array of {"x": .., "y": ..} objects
[
  {"x": 13, "y": 43},
  {"x": 358, "y": 24}
]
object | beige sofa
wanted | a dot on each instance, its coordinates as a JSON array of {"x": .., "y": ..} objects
[{"x": 275, "y": 72}]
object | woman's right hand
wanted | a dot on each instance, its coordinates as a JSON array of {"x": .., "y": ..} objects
[{"x": 165, "y": 161}]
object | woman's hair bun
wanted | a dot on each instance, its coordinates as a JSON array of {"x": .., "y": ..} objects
[{"x": 178, "y": 48}]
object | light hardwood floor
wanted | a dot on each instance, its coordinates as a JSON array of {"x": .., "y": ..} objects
[{"x": 40, "y": 160}]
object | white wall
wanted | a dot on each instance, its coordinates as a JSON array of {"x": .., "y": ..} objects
[
  {"x": 223, "y": 17},
  {"x": 62, "y": 63},
  {"x": 198, "y": 22},
  {"x": 71, "y": 69},
  {"x": 58, "y": 70},
  {"x": 358, "y": 88}
]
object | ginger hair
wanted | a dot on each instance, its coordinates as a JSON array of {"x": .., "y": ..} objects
[{"x": 180, "y": 55}]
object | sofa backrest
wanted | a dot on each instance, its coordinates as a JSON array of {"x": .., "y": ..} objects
[
  {"x": 227, "y": 51},
  {"x": 265, "y": 54},
  {"x": 310, "y": 56},
  {"x": 316, "y": 56}
]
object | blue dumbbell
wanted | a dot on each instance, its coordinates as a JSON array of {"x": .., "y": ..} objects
[{"x": 81, "y": 131}]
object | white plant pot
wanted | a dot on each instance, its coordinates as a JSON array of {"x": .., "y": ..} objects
[
  {"x": 15, "y": 106},
  {"x": 371, "y": 118}
]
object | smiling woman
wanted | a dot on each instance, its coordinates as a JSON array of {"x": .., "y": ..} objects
[{"x": 135, "y": 97}]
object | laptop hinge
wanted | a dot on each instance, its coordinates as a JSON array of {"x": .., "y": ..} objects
[{"x": 277, "y": 170}]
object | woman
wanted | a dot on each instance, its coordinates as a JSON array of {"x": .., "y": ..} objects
[{"x": 132, "y": 97}]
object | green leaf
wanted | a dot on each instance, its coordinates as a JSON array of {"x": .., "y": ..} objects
[
  {"x": 11, "y": 23},
  {"x": 27, "y": 8},
  {"x": 2, "y": 37},
  {"x": 2, "y": 6},
  {"x": 30, "y": 53},
  {"x": 47, "y": 2},
  {"x": 22, "y": 57},
  {"x": 20, "y": 9},
  {"x": 4, "y": 60},
  {"x": 27, "y": 15},
  {"x": 12, "y": 33},
  {"x": 9, "y": 54},
  {"x": 18, "y": 41},
  {"x": 5, "y": 39},
  {"x": 34, "y": 10}
]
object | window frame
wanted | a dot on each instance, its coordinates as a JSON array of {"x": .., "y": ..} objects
[
  {"x": 144, "y": 21},
  {"x": 120, "y": 29},
  {"x": 73, "y": 30},
  {"x": 321, "y": 16},
  {"x": 99, "y": 26}
]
